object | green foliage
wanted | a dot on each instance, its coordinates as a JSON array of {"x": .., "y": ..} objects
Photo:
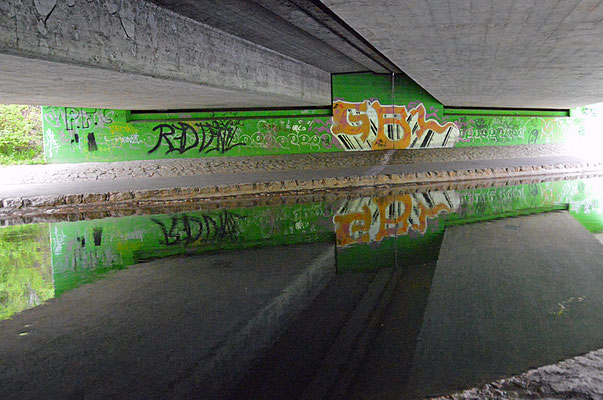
[
  {"x": 21, "y": 139},
  {"x": 25, "y": 269}
]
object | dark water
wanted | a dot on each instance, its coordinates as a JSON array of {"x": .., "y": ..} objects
[{"x": 383, "y": 295}]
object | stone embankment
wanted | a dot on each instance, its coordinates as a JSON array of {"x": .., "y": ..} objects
[
  {"x": 86, "y": 172},
  {"x": 576, "y": 378},
  {"x": 111, "y": 185}
]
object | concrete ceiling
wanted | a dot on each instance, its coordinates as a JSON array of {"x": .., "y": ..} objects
[
  {"x": 245, "y": 53},
  {"x": 489, "y": 53},
  {"x": 302, "y": 29}
]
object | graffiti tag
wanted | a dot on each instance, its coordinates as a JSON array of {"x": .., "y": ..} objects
[
  {"x": 369, "y": 125},
  {"x": 207, "y": 136},
  {"x": 188, "y": 230},
  {"x": 368, "y": 219}
]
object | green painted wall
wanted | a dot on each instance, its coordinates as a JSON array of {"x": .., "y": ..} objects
[
  {"x": 84, "y": 250},
  {"x": 79, "y": 135},
  {"x": 369, "y": 109},
  {"x": 369, "y": 112},
  {"x": 505, "y": 130}
]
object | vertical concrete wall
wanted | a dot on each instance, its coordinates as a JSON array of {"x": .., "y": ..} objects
[
  {"x": 369, "y": 112},
  {"x": 135, "y": 54}
]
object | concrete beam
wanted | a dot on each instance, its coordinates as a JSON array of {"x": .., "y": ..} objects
[
  {"x": 136, "y": 55},
  {"x": 301, "y": 29}
]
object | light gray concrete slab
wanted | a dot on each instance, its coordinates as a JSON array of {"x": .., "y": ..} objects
[
  {"x": 136, "y": 55},
  {"x": 173, "y": 328},
  {"x": 288, "y": 27},
  {"x": 508, "y": 296},
  {"x": 503, "y": 53}
]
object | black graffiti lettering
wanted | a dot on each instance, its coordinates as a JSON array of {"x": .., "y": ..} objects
[
  {"x": 209, "y": 136},
  {"x": 97, "y": 234},
  {"x": 533, "y": 136},
  {"x": 218, "y": 135},
  {"x": 76, "y": 118},
  {"x": 176, "y": 136},
  {"x": 92, "y": 142},
  {"x": 186, "y": 229}
]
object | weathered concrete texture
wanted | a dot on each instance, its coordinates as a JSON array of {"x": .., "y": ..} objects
[
  {"x": 489, "y": 53},
  {"x": 84, "y": 172},
  {"x": 174, "y": 328},
  {"x": 507, "y": 296},
  {"x": 284, "y": 26},
  {"x": 576, "y": 378},
  {"x": 112, "y": 47}
]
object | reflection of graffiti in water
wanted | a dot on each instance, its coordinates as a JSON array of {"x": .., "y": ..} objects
[
  {"x": 367, "y": 220},
  {"x": 207, "y": 136},
  {"x": 189, "y": 230},
  {"x": 370, "y": 125}
]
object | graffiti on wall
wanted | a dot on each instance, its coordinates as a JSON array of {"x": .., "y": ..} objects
[
  {"x": 290, "y": 135},
  {"x": 371, "y": 126},
  {"x": 367, "y": 219},
  {"x": 74, "y": 127},
  {"x": 196, "y": 229},
  {"x": 76, "y": 135},
  {"x": 498, "y": 130},
  {"x": 206, "y": 136}
]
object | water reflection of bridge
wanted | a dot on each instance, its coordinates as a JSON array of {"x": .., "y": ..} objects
[{"x": 366, "y": 297}]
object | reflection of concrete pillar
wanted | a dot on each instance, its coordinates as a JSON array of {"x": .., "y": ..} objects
[
  {"x": 228, "y": 362},
  {"x": 174, "y": 328},
  {"x": 507, "y": 296}
]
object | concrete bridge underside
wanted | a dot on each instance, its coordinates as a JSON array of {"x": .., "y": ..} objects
[
  {"x": 164, "y": 54},
  {"x": 132, "y": 54}
]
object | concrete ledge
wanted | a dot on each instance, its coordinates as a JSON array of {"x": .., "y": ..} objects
[{"x": 99, "y": 205}]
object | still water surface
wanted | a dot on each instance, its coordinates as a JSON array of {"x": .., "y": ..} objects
[{"x": 392, "y": 295}]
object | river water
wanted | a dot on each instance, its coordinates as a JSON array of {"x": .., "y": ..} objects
[{"x": 379, "y": 294}]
